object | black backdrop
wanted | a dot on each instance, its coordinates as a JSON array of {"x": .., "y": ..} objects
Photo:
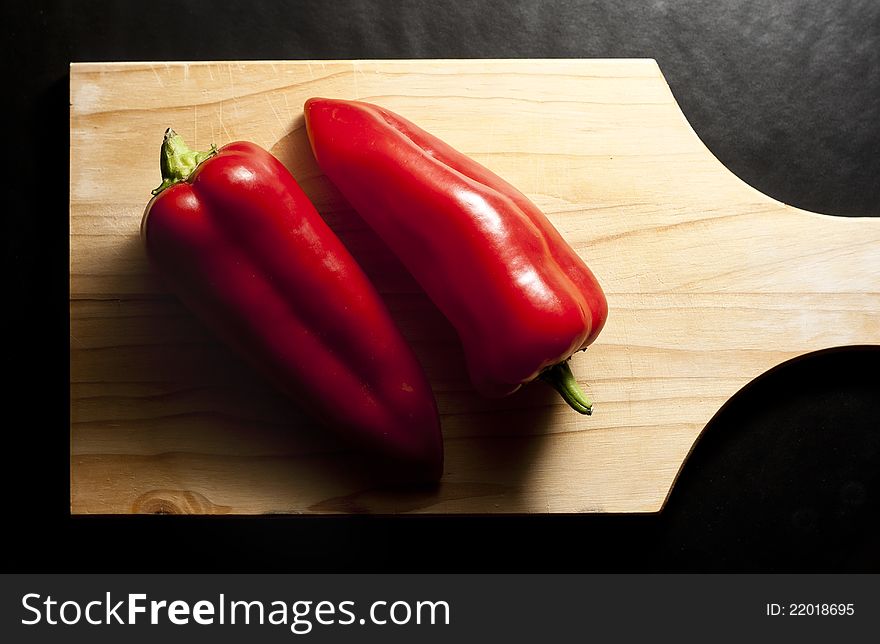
[{"x": 785, "y": 93}]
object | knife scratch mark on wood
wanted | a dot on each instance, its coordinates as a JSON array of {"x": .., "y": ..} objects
[
  {"x": 156, "y": 74},
  {"x": 311, "y": 72},
  {"x": 222, "y": 124},
  {"x": 277, "y": 116},
  {"x": 232, "y": 87}
]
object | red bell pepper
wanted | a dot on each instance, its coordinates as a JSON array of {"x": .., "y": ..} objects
[
  {"x": 241, "y": 244},
  {"x": 520, "y": 297}
]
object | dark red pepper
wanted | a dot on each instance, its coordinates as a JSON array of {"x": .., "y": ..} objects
[
  {"x": 521, "y": 299},
  {"x": 241, "y": 244}
]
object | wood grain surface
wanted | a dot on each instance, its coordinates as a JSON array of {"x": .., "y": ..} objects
[{"x": 710, "y": 283}]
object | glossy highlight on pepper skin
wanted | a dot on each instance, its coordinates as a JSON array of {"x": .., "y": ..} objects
[
  {"x": 519, "y": 296},
  {"x": 245, "y": 249}
]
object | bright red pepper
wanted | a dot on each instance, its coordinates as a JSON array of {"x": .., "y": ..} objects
[
  {"x": 241, "y": 244},
  {"x": 521, "y": 299}
]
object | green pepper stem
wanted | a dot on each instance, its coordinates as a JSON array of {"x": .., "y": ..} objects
[
  {"x": 560, "y": 377},
  {"x": 177, "y": 160}
]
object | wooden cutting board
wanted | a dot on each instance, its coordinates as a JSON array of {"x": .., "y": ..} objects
[{"x": 710, "y": 283}]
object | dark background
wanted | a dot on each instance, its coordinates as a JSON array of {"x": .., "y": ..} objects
[{"x": 786, "y": 94}]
